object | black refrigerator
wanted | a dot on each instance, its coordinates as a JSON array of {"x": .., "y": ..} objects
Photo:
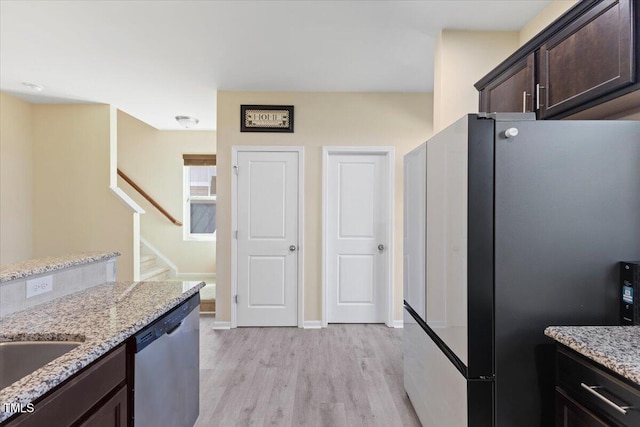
[{"x": 511, "y": 225}]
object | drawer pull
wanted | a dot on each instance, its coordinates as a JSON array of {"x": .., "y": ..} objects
[{"x": 592, "y": 389}]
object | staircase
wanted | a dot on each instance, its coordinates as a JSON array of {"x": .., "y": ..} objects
[
  {"x": 151, "y": 271},
  {"x": 156, "y": 268}
]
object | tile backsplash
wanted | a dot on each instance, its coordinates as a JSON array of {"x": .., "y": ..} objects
[{"x": 13, "y": 294}]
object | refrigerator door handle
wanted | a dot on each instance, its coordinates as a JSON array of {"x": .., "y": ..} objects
[
  {"x": 538, "y": 103},
  {"x": 592, "y": 389}
]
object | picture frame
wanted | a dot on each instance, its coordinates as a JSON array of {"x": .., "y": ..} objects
[{"x": 266, "y": 118}]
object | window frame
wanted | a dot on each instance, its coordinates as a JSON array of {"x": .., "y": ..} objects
[{"x": 186, "y": 206}]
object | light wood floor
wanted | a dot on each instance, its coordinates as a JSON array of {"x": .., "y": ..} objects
[{"x": 344, "y": 375}]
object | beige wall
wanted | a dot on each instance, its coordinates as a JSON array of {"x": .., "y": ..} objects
[
  {"x": 365, "y": 119},
  {"x": 74, "y": 210},
  {"x": 153, "y": 159},
  {"x": 544, "y": 18},
  {"x": 16, "y": 179},
  {"x": 462, "y": 58}
]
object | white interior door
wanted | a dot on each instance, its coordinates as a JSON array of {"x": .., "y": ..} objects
[
  {"x": 357, "y": 232},
  {"x": 267, "y": 238}
]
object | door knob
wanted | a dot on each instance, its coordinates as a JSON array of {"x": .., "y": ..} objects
[
  {"x": 381, "y": 247},
  {"x": 292, "y": 248}
]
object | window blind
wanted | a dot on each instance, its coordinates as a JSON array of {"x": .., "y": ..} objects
[{"x": 199, "y": 159}]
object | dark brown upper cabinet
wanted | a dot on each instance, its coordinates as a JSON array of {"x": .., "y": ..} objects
[
  {"x": 588, "y": 57},
  {"x": 512, "y": 90}
]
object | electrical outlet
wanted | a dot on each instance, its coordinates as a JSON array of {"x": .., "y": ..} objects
[{"x": 40, "y": 285}]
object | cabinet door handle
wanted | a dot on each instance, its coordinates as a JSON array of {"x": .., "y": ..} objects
[
  {"x": 524, "y": 101},
  {"x": 592, "y": 389},
  {"x": 538, "y": 104}
]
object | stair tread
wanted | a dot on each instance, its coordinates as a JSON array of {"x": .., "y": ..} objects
[
  {"x": 145, "y": 274},
  {"x": 145, "y": 258},
  {"x": 155, "y": 269}
]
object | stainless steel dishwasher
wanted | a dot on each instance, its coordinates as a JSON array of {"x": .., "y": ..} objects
[{"x": 166, "y": 386}]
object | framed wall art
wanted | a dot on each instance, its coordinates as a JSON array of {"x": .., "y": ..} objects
[{"x": 266, "y": 118}]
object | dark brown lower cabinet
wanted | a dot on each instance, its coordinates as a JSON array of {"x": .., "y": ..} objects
[
  {"x": 96, "y": 396},
  {"x": 112, "y": 414},
  {"x": 570, "y": 413},
  {"x": 590, "y": 395}
]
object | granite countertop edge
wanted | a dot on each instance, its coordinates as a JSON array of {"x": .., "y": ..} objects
[
  {"x": 45, "y": 379},
  {"x": 33, "y": 267},
  {"x": 609, "y": 346}
]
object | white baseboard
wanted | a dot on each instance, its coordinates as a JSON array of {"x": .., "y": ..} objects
[
  {"x": 217, "y": 325},
  {"x": 397, "y": 324},
  {"x": 312, "y": 324}
]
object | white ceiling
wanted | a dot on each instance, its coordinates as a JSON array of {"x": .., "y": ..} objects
[{"x": 158, "y": 59}]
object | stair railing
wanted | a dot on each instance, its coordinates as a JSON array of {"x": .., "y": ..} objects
[{"x": 149, "y": 198}]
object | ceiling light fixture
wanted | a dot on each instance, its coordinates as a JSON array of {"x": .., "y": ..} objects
[
  {"x": 34, "y": 87},
  {"x": 187, "y": 121}
]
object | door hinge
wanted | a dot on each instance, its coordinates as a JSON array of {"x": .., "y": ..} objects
[
  {"x": 235, "y": 298},
  {"x": 235, "y": 234},
  {"x": 235, "y": 170}
]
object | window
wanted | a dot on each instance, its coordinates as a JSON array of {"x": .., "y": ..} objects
[{"x": 199, "y": 197}]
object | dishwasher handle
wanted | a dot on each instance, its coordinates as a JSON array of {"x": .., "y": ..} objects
[
  {"x": 167, "y": 323},
  {"x": 174, "y": 328}
]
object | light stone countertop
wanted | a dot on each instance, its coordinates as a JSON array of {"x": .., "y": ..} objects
[
  {"x": 615, "y": 347},
  {"x": 32, "y": 267},
  {"x": 102, "y": 317}
]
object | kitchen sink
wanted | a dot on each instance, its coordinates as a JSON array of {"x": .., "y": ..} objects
[{"x": 20, "y": 358}]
